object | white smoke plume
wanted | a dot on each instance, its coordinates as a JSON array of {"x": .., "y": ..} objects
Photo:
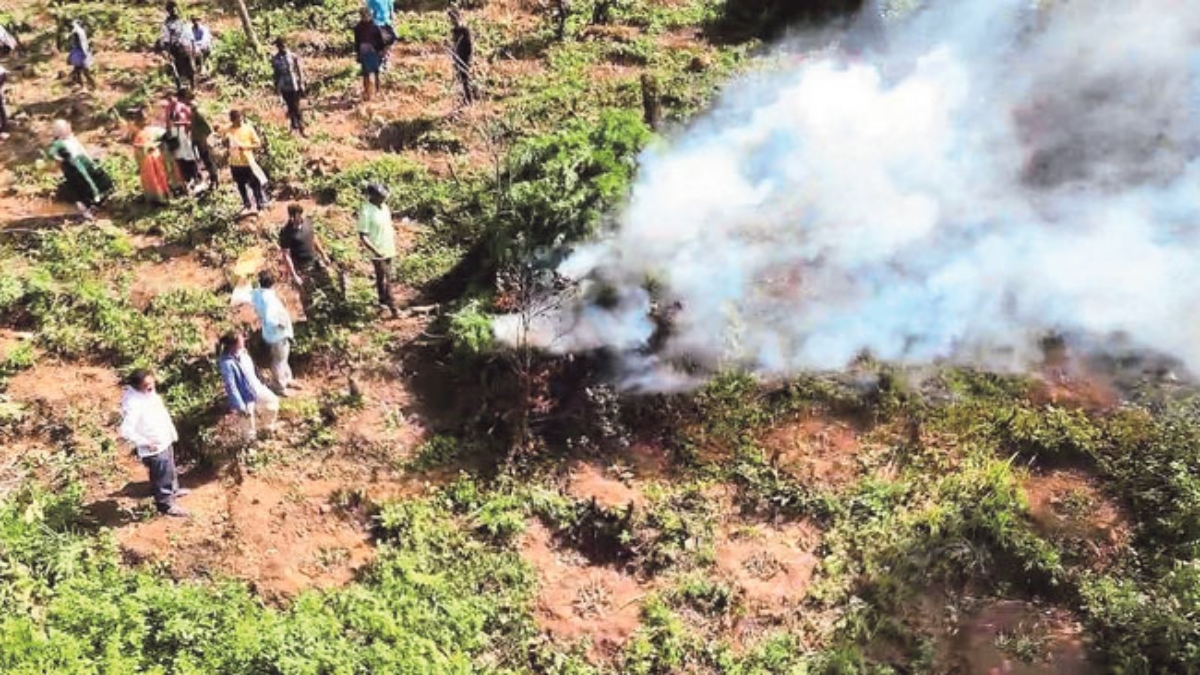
[{"x": 994, "y": 173}]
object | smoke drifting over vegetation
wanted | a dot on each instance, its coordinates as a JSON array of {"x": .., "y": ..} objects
[{"x": 990, "y": 175}]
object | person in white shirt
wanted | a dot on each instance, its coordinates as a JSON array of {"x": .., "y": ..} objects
[
  {"x": 146, "y": 423},
  {"x": 201, "y": 41}
]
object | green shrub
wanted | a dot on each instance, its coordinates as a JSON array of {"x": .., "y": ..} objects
[{"x": 471, "y": 329}]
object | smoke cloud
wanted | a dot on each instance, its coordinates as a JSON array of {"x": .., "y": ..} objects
[{"x": 993, "y": 174}]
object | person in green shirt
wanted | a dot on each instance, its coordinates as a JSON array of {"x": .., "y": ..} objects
[
  {"x": 202, "y": 131},
  {"x": 378, "y": 237}
]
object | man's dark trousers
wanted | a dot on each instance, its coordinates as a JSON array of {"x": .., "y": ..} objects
[{"x": 163, "y": 478}]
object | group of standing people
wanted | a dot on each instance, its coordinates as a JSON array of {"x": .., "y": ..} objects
[
  {"x": 187, "y": 45},
  {"x": 169, "y": 154}
]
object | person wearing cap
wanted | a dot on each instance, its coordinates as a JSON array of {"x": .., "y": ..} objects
[{"x": 378, "y": 237}]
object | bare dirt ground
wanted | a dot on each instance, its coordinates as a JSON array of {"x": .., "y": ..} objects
[
  {"x": 1068, "y": 504},
  {"x": 578, "y": 600},
  {"x": 1019, "y": 638},
  {"x": 817, "y": 450}
]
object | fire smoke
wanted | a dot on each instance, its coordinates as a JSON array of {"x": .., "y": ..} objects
[{"x": 992, "y": 174}]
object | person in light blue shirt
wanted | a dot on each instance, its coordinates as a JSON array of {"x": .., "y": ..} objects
[
  {"x": 382, "y": 12},
  {"x": 276, "y": 329}
]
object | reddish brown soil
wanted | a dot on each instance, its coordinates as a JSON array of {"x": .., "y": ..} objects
[
  {"x": 283, "y": 537},
  {"x": 985, "y": 639},
  {"x": 770, "y": 566},
  {"x": 68, "y": 388},
  {"x": 816, "y": 450},
  {"x": 580, "y": 601},
  {"x": 589, "y": 481},
  {"x": 1068, "y": 504},
  {"x": 186, "y": 272},
  {"x": 619, "y": 479}
]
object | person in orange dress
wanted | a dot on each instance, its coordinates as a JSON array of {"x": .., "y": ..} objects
[{"x": 152, "y": 165}]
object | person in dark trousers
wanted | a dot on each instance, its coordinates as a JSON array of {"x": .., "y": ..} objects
[
  {"x": 243, "y": 141},
  {"x": 3, "y": 101},
  {"x": 79, "y": 56},
  {"x": 201, "y": 43},
  {"x": 462, "y": 47},
  {"x": 289, "y": 83},
  {"x": 146, "y": 423},
  {"x": 202, "y": 131},
  {"x": 378, "y": 237},
  {"x": 369, "y": 47},
  {"x": 176, "y": 41},
  {"x": 304, "y": 259}
]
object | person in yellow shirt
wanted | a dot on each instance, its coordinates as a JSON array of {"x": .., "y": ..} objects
[{"x": 243, "y": 141}]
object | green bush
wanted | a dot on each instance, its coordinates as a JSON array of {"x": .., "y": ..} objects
[{"x": 434, "y": 601}]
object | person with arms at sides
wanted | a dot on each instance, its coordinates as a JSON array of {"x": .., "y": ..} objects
[
  {"x": 304, "y": 259},
  {"x": 152, "y": 165},
  {"x": 369, "y": 46},
  {"x": 276, "y": 325},
  {"x": 3, "y": 102},
  {"x": 176, "y": 40},
  {"x": 243, "y": 141},
  {"x": 87, "y": 184},
  {"x": 462, "y": 48},
  {"x": 178, "y": 118},
  {"x": 378, "y": 237},
  {"x": 79, "y": 56},
  {"x": 382, "y": 13},
  {"x": 245, "y": 393},
  {"x": 289, "y": 83},
  {"x": 146, "y": 423},
  {"x": 201, "y": 40}
]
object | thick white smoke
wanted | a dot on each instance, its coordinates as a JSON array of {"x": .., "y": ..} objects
[{"x": 993, "y": 174}]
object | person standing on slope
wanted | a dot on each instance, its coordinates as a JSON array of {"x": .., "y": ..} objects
[
  {"x": 246, "y": 394},
  {"x": 382, "y": 13},
  {"x": 277, "y": 331},
  {"x": 249, "y": 178},
  {"x": 289, "y": 83},
  {"x": 378, "y": 237},
  {"x": 146, "y": 423}
]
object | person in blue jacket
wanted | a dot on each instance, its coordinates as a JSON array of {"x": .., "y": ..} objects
[{"x": 246, "y": 394}]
